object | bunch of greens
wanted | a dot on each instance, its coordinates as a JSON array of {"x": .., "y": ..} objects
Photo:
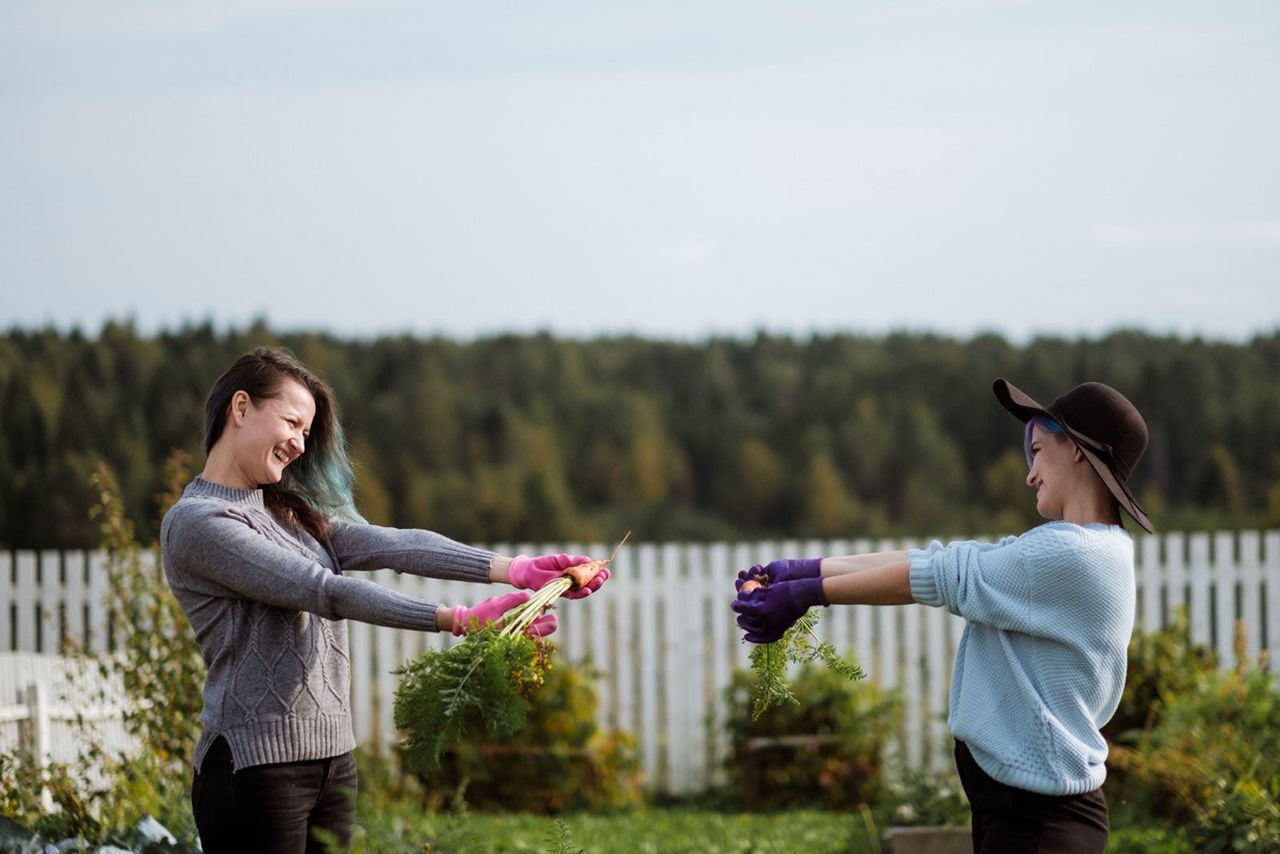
[
  {"x": 485, "y": 678},
  {"x": 798, "y": 645},
  {"x": 482, "y": 681}
]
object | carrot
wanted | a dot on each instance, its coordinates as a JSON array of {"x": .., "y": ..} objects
[
  {"x": 515, "y": 621},
  {"x": 582, "y": 573}
]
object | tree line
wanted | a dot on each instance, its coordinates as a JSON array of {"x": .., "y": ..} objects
[{"x": 537, "y": 438}]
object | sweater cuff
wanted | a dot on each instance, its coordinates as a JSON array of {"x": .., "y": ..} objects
[
  {"x": 466, "y": 563},
  {"x": 924, "y": 584},
  {"x": 405, "y": 612}
]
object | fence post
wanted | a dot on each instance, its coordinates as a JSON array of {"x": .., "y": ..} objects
[
  {"x": 6, "y": 602},
  {"x": 1271, "y": 572},
  {"x": 1198, "y": 578},
  {"x": 1225, "y": 569},
  {"x": 76, "y": 600},
  {"x": 719, "y": 567},
  {"x": 1152, "y": 575},
  {"x": 1251, "y": 580},
  {"x": 51, "y": 600},
  {"x": 26, "y": 598},
  {"x": 38, "y": 716}
]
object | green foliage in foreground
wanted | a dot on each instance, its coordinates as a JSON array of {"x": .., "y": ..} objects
[
  {"x": 478, "y": 683},
  {"x": 157, "y": 662},
  {"x": 560, "y": 761},
  {"x": 677, "y": 830},
  {"x": 798, "y": 645},
  {"x": 650, "y": 830},
  {"x": 825, "y": 750},
  {"x": 1212, "y": 763}
]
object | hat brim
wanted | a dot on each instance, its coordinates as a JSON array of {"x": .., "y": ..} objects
[
  {"x": 1023, "y": 407},
  {"x": 1020, "y": 404},
  {"x": 1119, "y": 488}
]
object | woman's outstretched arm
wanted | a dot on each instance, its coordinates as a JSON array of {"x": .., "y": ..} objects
[{"x": 870, "y": 579}]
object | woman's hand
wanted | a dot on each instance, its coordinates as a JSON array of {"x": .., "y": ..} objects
[
  {"x": 780, "y": 570},
  {"x": 466, "y": 620},
  {"x": 531, "y": 573},
  {"x": 767, "y": 612}
]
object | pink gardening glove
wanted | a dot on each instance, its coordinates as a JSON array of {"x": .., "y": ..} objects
[
  {"x": 483, "y": 613},
  {"x": 530, "y": 573}
]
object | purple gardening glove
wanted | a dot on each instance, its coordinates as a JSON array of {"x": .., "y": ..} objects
[
  {"x": 767, "y": 612},
  {"x": 467, "y": 620},
  {"x": 781, "y": 570},
  {"x": 530, "y": 573}
]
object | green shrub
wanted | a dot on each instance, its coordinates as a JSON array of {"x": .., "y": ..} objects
[
  {"x": 1161, "y": 664},
  {"x": 157, "y": 658},
  {"x": 558, "y": 761},
  {"x": 827, "y": 751},
  {"x": 1211, "y": 760},
  {"x": 157, "y": 661}
]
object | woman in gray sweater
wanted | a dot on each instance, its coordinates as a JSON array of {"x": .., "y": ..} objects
[{"x": 257, "y": 552}]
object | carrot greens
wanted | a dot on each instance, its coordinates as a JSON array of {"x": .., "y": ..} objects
[
  {"x": 481, "y": 682},
  {"x": 798, "y": 645}
]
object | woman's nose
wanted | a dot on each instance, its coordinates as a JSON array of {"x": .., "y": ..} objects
[{"x": 1031, "y": 477}]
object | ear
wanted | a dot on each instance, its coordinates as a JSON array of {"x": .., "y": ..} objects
[
  {"x": 240, "y": 403},
  {"x": 1077, "y": 455}
]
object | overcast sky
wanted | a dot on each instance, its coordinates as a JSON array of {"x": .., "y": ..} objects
[{"x": 672, "y": 169}]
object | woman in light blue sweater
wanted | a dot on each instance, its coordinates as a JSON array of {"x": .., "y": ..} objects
[{"x": 1048, "y": 616}]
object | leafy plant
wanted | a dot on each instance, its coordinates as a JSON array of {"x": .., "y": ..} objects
[
  {"x": 157, "y": 662},
  {"x": 484, "y": 679},
  {"x": 825, "y": 750},
  {"x": 156, "y": 657},
  {"x": 1211, "y": 760},
  {"x": 1161, "y": 665},
  {"x": 559, "y": 761},
  {"x": 798, "y": 645},
  {"x": 560, "y": 840}
]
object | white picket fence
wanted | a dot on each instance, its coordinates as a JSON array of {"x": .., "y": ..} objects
[{"x": 664, "y": 639}]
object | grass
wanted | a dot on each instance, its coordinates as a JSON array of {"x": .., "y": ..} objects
[{"x": 636, "y": 832}]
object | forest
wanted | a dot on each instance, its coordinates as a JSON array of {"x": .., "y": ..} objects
[{"x": 535, "y": 438}]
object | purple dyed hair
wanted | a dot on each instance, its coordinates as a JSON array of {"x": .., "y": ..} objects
[{"x": 1044, "y": 423}]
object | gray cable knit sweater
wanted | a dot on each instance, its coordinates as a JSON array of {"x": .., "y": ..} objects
[{"x": 267, "y": 604}]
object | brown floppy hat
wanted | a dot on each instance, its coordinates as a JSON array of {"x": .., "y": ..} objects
[{"x": 1104, "y": 425}]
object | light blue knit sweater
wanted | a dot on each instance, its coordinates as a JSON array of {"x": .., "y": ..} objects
[{"x": 1041, "y": 664}]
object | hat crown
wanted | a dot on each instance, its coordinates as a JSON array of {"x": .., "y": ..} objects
[{"x": 1106, "y": 416}]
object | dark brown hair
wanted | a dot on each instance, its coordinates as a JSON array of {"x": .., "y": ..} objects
[{"x": 317, "y": 487}]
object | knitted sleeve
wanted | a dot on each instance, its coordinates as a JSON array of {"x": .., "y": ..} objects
[
  {"x": 1040, "y": 584},
  {"x": 417, "y": 552},
  {"x": 216, "y": 551}
]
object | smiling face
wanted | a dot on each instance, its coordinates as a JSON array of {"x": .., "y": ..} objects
[
  {"x": 269, "y": 435},
  {"x": 1055, "y": 471}
]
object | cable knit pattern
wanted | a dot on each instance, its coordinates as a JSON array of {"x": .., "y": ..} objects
[
  {"x": 1041, "y": 663},
  {"x": 268, "y": 605}
]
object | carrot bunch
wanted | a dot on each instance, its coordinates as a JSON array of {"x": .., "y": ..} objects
[{"x": 482, "y": 681}]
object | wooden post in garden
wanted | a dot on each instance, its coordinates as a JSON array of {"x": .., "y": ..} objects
[{"x": 39, "y": 735}]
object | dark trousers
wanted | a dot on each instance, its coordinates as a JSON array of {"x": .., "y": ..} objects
[
  {"x": 1007, "y": 820},
  {"x": 273, "y": 808}
]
